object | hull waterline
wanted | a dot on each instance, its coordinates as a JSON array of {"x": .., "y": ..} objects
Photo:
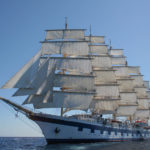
[{"x": 58, "y": 129}]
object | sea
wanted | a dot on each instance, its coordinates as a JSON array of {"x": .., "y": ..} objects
[{"x": 36, "y": 143}]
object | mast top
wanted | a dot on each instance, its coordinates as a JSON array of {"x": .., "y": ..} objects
[
  {"x": 66, "y": 23},
  {"x": 90, "y": 30},
  {"x": 110, "y": 44}
]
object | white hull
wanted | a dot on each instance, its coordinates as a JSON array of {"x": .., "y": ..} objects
[{"x": 60, "y": 129}]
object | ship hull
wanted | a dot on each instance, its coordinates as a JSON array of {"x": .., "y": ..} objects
[{"x": 64, "y": 130}]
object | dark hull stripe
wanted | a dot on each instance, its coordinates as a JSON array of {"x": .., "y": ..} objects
[
  {"x": 83, "y": 125},
  {"x": 55, "y": 141}
]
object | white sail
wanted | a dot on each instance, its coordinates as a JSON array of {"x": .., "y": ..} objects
[
  {"x": 95, "y": 39},
  {"x": 79, "y": 82},
  {"x": 118, "y": 60},
  {"x": 105, "y": 76},
  {"x": 98, "y": 49},
  {"x": 42, "y": 82},
  {"x": 101, "y": 61},
  {"x": 107, "y": 90},
  {"x": 143, "y": 103},
  {"x": 138, "y": 80},
  {"x": 141, "y": 92},
  {"x": 85, "y": 75},
  {"x": 74, "y": 65},
  {"x": 59, "y": 99},
  {"x": 125, "y": 85},
  {"x": 40, "y": 101},
  {"x": 104, "y": 106},
  {"x": 146, "y": 84},
  {"x": 65, "y": 47},
  {"x": 134, "y": 70},
  {"x": 148, "y": 94},
  {"x": 65, "y": 34},
  {"x": 121, "y": 71},
  {"x": 116, "y": 52},
  {"x": 43, "y": 77},
  {"x": 128, "y": 98},
  {"x": 72, "y": 100},
  {"x": 126, "y": 110},
  {"x": 142, "y": 114},
  {"x": 24, "y": 76}
]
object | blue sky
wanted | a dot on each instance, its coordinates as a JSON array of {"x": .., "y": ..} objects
[{"x": 22, "y": 25}]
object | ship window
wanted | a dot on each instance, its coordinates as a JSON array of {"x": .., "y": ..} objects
[
  {"x": 121, "y": 133},
  {"x": 109, "y": 132},
  {"x": 92, "y": 130},
  {"x": 101, "y": 131},
  {"x": 80, "y": 129},
  {"x": 132, "y": 134}
]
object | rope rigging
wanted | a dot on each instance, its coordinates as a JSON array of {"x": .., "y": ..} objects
[{"x": 16, "y": 114}]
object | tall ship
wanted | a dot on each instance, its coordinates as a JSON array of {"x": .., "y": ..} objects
[{"x": 73, "y": 71}]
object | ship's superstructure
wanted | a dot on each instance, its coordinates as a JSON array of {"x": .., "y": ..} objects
[{"x": 77, "y": 72}]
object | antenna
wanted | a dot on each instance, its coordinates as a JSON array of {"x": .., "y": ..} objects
[
  {"x": 66, "y": 22},
  {"x": 90, "y": 39},
  {"x": 90, "y": 30},
  {"x": 110, "y": 43}
]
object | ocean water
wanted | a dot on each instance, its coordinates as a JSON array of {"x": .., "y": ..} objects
[{"x": 15, "y": 143}]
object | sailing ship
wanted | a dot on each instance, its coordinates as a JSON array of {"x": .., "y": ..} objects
[{"x": 77, "y": 72}]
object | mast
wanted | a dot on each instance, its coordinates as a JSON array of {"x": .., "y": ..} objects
[
  {"x": 110, "y": 44},
  {"x": 16, "y": 106},
  {"x": 66, "y": 23},
  {"x": 74, "y": 71},
  {"x": 58, "y": 80},
  {"x": 141, "y": 88},
  {"x": 133, "y": 94},
  {"x": 107, "y": 94},
  {"x": 128, "y": 102}
]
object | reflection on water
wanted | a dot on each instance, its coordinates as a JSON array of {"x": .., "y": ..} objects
[
  {"x": 10, "y": 143},
  {"x": 83, "y": 146}
]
